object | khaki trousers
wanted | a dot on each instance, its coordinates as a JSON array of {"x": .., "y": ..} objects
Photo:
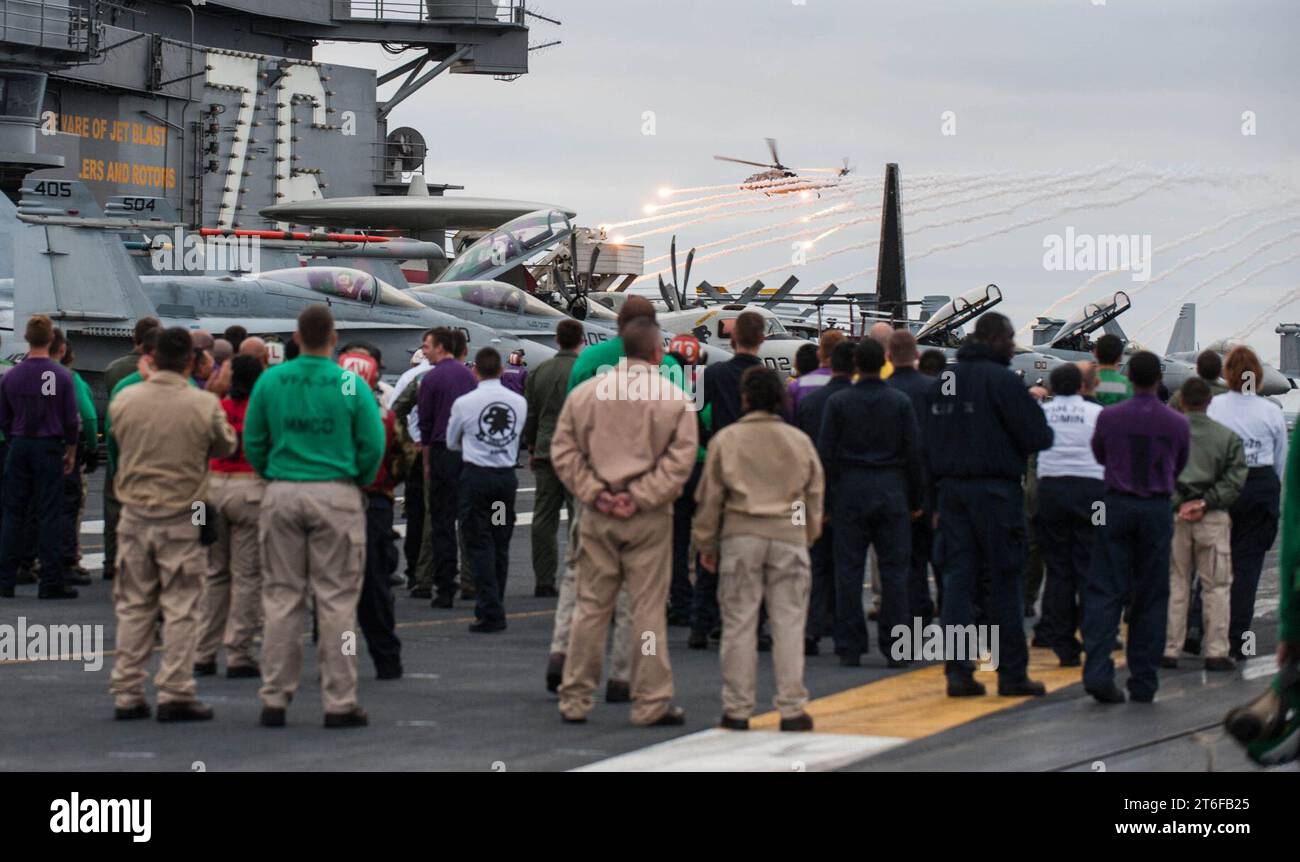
[
  {"x": 232, "y": 594},
  {"x": 613, "y": 553},
  {"x": 1207, "y": 545},
  {"x": 160, "y": 567},
  {"x": 620, "y": 662},
  {"x": 313, "y": 537},
  {"x": 751, "y": 571}
]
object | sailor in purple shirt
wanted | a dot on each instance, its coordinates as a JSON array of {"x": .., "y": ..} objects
[
  {"x": 39, "y": 420},
  {"x": 1143, "y": 446},
  {"x": 443, "y": 384},
  {"x": 514, "y": 375}
]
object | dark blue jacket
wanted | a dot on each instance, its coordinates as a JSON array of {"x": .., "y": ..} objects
[
  {"x": 722, "y": 394},
  {"x": 870, "y": 426},
  {"x": 982, "y": 423},
  {"x": 813, "y": 406},
  {"x": 916, "y": 386}
]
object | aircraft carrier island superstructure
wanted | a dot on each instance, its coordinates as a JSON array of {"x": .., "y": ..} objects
[{"x": 219, "y": 107}]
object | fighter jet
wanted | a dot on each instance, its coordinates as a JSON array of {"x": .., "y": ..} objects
[
  {"x": 1182, "y": 347},
  {"x": 1072, "y": 339},
  {"x": 78, "y": 271}
]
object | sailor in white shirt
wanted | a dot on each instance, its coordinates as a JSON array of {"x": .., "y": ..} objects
[
  {"x": 485, "y": 426},
  {"x": 1069, "y": 487},
  {"x": 1259, "y": 423}
]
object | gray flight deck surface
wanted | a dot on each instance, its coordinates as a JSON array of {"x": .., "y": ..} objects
[{"x": 478, "y": 702}]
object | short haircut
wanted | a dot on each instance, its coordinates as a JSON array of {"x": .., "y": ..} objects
[
  {"x": 235, "y": 334},
  {"x": 1240, "y": 363},
  {"x": 1108, "y": 349},
  {"x": 1066, "y": 379},
  {"x": 487, "y": 362},
  {"x": 150, "y": 340},
  {"x": 1209, "y": 365},
  {"x": 142, "y": 326},
  {"x": 1144, "y": 369},
  {"x": 444, "y": 337},
  {"x": 842, "y": 357},
  {"x": 291, "y": 350},
  {"x": 460, "y": 343},
  {"x": 933, "y": 362},
  {"x": 902, "y": 347},
  {"x": 174, "y": 350},
  {"x": 634, "y": 308},
  {"x": 315, "y": 326},
  {"x": 992, "y": 326},
  {"x": 826, "y": 344},
  {"x": 222, "y": 349},
  {"x": 869, "y": 356},
  {"x": 244, "y": 371},
  {"x": 40, "y": 331},
  {"x": 253, "y": 346},
  {"x": 58, "y": 341},
  {"x": 641, "y": 339},
  {"x": 805, "y": 359},
  {"x": 569, "y": 333},
  {"x": 761, "y": 389},
  {"x": 748, "y": 329},
  {"x": 1195, "y": 393}
]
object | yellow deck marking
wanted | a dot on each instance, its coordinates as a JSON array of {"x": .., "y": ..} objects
[{"x": 915, "y": 704}]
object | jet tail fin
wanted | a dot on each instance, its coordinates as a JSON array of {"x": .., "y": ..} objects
[
  {"x": 58, "y": 198},
  {"x": 1183, "y": 339},
  {"x": 76, "y": 274}
]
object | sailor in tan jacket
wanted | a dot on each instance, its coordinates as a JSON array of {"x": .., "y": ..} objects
[
  {"x": 165, "y": 431},
  {"x": 624, "y": 447},
  {"x": 759, "y": 508}
]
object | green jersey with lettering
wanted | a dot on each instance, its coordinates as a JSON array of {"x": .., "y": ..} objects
[
  {"x": 310, "y": 420},
  {"x": 1113, "y": 388}
]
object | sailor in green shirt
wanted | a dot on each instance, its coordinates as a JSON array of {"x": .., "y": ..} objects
[
  {"x": 1114, "y": 386},
  {"x": 74, "y": 483},
  {"x": 314, "y": 432}
]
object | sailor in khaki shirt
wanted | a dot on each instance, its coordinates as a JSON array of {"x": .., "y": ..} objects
[
  {"x": 165, "y": 431},
  {"x": 758, "y": 509},
  {"x": 624, "y": 446}
]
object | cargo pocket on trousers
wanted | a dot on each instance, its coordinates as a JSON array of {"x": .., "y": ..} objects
[
  {"x": 356, "y": 551},
  {"x": 183, "y": 556}
]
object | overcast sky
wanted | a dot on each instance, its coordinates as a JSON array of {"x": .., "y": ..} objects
[{"x": 1035, "y": 85}]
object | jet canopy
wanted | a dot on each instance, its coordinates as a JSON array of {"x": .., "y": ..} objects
[
  {"x": 341, "y": 282},
  {"x": 958, "y": 312},
  {"x": 1090, "y": 318},
  {"x": 508, "y": 246},
  {"x": 492, "y": 296}
]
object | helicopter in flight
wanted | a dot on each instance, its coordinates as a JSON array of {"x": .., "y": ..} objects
[{"x": 778, "y": 179}]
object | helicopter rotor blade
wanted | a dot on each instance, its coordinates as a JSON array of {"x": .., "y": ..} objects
[
  {"x": 686, "y": 282},
  {"x": 591, "y": 269},
  {"x": 771, "y": 148},
  {"x": 743, "y": 162},
  {"x": 668, "y": 297},
  {"x": 672, "y": 256}
]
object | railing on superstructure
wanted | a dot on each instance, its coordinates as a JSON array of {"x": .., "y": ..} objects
[
  {"x": 59, "y": 27},
  {"x": 476, "y": 11}
]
